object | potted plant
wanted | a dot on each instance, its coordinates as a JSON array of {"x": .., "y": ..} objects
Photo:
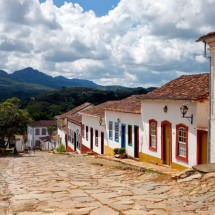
[
  {"x": 116, "y": 152},
  {"x": 122, "y": 153}
]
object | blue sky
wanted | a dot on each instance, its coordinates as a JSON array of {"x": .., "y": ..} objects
[
  {"x": 135, "y": 43},
  {"x": 100, "y": 7}
]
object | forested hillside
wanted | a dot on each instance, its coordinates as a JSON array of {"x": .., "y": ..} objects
[{"x": 48, "y": 105}]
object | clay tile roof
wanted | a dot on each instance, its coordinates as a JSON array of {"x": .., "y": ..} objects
[
  {"x": 207, "y": 36},
  {"x": 43, "y": 123},
  {"x": 75, "y": 110},
  {"x": 99, "y": 110},
  {"x": 186, "y": 87},
  {"x": 130, "y": 104}
]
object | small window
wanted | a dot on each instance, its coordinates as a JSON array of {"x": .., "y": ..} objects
[
  {"x": 110, "y": 130},
  {"x": 96, "y": 138},
  {"x": 44, "y": 131},
  {"x": 182, "y": 142},
  {"x": 86, "y": 132},
  {"x": 153, "y": 135},
  {"x": 37, "y": 131},
  {"x": 116, "y": 131},
  {"x": 129, "y": 134}
]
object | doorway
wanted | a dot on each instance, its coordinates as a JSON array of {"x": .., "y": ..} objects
[
  {"x": 202, "y": 147},
  {"x": 102, "y": 143},
  {"x": 136, "y": 141},
  {"x": 166, "y": 141},
  {"x": 91, "y": 138},
  {"x": 75, "y": 139},
  {"x": 123, "y": 136}
]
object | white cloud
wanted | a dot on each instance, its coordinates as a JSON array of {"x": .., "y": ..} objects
[{"x": 138, "y": 43}]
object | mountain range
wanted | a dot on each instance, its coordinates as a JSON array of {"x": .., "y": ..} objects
[{"x": 28, "y": 82}]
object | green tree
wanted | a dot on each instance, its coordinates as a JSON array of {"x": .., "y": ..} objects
[{"x": 13, "y": 120}]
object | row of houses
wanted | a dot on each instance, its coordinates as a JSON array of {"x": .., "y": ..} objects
[{"x": 166, "y": 126}]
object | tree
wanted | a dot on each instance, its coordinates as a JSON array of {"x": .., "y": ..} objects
[{"x": 13, "y": 120}]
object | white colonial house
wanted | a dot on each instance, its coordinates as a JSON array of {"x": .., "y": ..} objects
[
  {"x": 124, "y": 126},
  {"x": 209, "y": 39},
  {"x": 38, "y": 129},
  {"x": 69, "y": 128},
  {"x": 175, "y": 122},
  {"x": 94, "y": 136},
  {"x": 74, "y": 128}
]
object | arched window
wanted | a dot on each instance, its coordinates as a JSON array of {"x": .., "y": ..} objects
[
  {"x": 153, "y": 135},
  {"x": 37, "y": 131},
  {"x": 44, "y": 131},
  {"x": 182, "y": 142}
]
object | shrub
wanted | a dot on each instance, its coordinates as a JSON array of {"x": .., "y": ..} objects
[
  {"x": 61, "y": 148},
  {"x": 116, "y": 150},
  {"x": 121, "y": 151}
]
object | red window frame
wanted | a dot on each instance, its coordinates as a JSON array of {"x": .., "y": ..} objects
[
  {"x": 179, "y": 157},
  {"x": 153, "y": 148}
]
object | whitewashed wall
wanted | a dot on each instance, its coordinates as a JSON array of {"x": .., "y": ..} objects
[
  {"x": 154, "y": 110},
  {"x": 75, "y": 129},
  {"x": 93, "y": 122},
  {"x": 61, "y": 134},
  {"x": 202, "y": 114},
  {"x": 126, "y": 119}
]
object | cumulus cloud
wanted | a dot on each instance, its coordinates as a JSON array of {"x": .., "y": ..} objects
[{"x": 138, "y": 43}]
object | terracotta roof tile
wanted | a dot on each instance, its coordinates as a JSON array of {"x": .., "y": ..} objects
[
  {"x": 130, "y": 104},
  {"x": 186, "y": 87},
  {"x": 99, "y": 110},
  {"x": 43, "y": 123},
  {"x": 75, "y": 110},
  {"x": 207, "y": 36}
]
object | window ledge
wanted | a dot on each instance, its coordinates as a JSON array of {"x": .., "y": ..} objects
[
  {"x": 153, "y": 149},
  {"x": 183, "y": 159}
]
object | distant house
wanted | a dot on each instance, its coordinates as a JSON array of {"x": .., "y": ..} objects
[
  {"x": 69, "y": 128},
  {"x": 48, "y": 142},
  {"x": 94, "y": 136},
  {"x": 124, "y": 125},
  {"x": 175, "y": 122},
  {"x": 38, "y": 129}
]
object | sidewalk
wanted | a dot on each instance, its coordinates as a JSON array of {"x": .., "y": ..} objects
[{"x": 143, "y": 165}]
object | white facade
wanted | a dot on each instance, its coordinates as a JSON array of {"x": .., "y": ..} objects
[
  {"x": 124, "y": 120},
  {"x": 61, "y": 138},
  {"x": 94, "y": 141},
  {"x": 34, "y": 133},
  {"x": 154, "y": 110},
  {"x": 20, "y": 144},
  {"x": 212, "y": 105},
  {"x": 74, "y": 136}
]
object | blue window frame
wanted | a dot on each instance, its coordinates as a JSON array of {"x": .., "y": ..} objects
[
  {"x": 116, "y": 131},
  {"x": 110, "y": 130}
]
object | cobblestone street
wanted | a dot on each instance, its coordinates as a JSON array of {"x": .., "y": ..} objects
[{"x": 45, "y": 183}]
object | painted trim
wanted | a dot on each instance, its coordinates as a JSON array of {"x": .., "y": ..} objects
[
  {"x": 178, "y": 157},
  {"x": 163, "y": 123},
  {"x": 156, "y": 125}
]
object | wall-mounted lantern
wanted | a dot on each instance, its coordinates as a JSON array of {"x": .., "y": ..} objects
[
  {"x": 118, "y": 120},
  {"x": 184, "y": 110},
  {"x": 101, "y": 121},
  {"x": 165, "y": 109}
]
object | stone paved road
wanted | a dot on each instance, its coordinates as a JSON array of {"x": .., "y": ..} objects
[{"x": 44, "y": 183}]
